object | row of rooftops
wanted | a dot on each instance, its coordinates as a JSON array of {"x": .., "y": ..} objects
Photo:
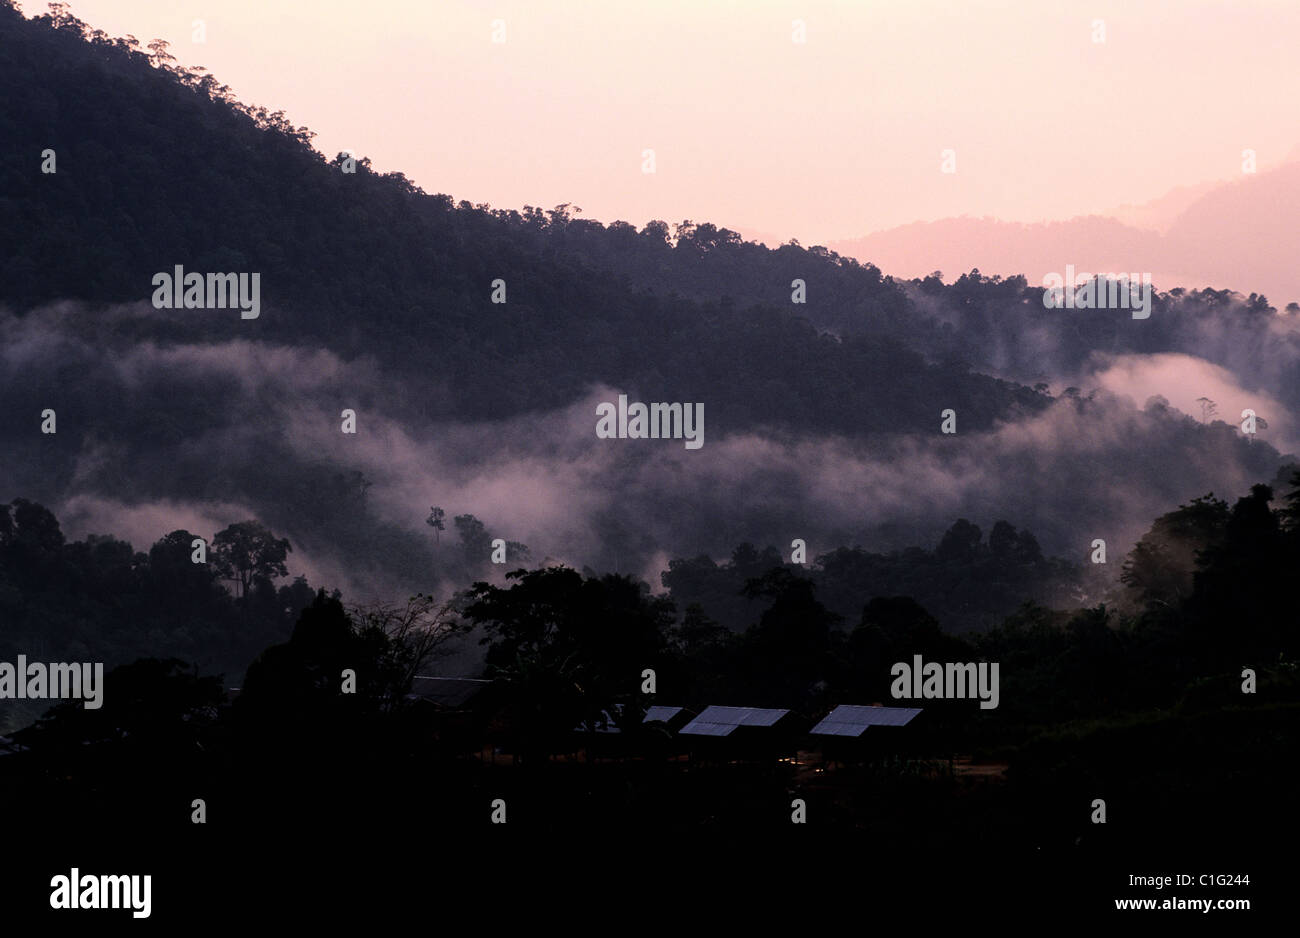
[
  {"x": 849, "y": 720},
  {"x": 844, "y": 720}
]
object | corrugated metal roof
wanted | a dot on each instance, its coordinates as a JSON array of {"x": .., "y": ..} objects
[
  {"x": 661, "y": 714},
  {"x": 853, "y": 720},
  {"x": 723, "y": 721}
]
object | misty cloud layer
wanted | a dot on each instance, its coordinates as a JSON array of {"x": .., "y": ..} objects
[{"x": 155, "y": 435}]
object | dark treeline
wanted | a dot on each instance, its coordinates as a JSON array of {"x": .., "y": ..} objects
[
  {"x": 968, "y": 582},
  {"x": 102, "y": 600},
  {"x": 1144, "y": 705},
  {"x": 1001, "y": 327},
  {"x": 1203, "y": 578}
]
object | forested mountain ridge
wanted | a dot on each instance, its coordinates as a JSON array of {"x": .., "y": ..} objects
[
  {"x": 822, "y": 418},
  {"x": 369, "y": 264},
  {"x": 158, "y": 166}
]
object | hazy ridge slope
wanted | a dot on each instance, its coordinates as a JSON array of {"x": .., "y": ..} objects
[{"x": 822, "y": 419}]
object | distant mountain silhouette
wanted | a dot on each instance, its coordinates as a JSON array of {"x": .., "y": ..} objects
[
  {"x": 1236, "y": 235},
  {"x": 1159, "y": 214}
]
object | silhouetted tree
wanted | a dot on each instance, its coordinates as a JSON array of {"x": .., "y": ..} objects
[
  {"x": 435, "y": 521},
  {"x": 248, "y": 551},
  {"x": 568, "y": 647}
]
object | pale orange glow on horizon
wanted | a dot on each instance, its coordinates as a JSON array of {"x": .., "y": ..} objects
[{"x": 830, "y": 139}]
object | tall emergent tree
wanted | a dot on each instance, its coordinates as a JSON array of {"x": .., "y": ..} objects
[{"x": 246, "y": 552}]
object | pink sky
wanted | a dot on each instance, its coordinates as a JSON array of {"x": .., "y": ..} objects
[{"x": 831, "y": 139}]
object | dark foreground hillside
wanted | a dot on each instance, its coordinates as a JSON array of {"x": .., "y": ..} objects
[{"x": 1177, "y": 723}]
